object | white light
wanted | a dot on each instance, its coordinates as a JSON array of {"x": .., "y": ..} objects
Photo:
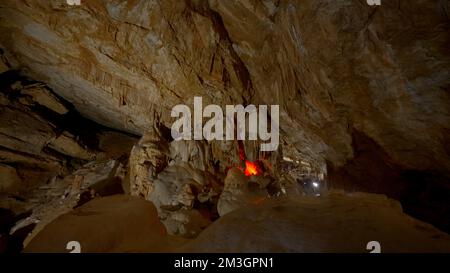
[
  {"x": 285, "y": 158},
  {"x": 315, "y": 184}
]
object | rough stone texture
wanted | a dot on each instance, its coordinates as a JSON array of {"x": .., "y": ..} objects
[
  {"x": 4, "y": 66},
  {"x": 66, "y": 144},
  {"x": 307, "y": 224},
  {"x": 118, "y": 63},
  {"x": 148, "y": 158},
  {"x": 338, "y": 222},
  {"x": 26, "y": 134},
  {"x": 41, "y": 95},
  {"x": 9, "y": 179},
  {"x": 23, "y": 131},
  {"x": 105, "y": 225},
  {"x": 40, "y": 137},
  {"x": 115, "y": 144},
  {"x": 60, "y": 196},
  {"x": 178, "y": 191},
  {"x": 338, "y": 70},
  {"x": 41, "y": 143},
  {"x": 237, "y": 193}
]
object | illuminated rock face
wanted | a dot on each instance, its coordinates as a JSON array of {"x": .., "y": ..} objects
[
  {"x": 351, "y": 80},
  {"x": 357, "y": 68}
]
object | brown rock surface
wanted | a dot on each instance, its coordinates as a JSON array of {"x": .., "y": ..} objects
[
  {"x": 4, "y": 65},
  {"x": 41, "y": 95},
  {"x": 41, "y": 138},
  {"x": 43, "y": 156},
  {"x": 236, "y": 193},
  {"x": 118, "y": 223},
  {"x": 363, "y": 91},
  {"x": 354, "y": 69},
  {"x": 9, "y": 179},
  {"x": 66, "y": 144},
  {"x": 61, "y": 195},
  {"x": 337, "y": 222}
]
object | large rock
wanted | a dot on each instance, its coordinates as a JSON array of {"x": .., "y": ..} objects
[
  {"x": 176, "y": 177},
  {"x": 41, "y": 95},
  {"x": 60, "y": 196},
  {"x": 337, "y": 222},
  {"x": 114, "y": 224},
  {"x": 24, "y": 131},
  {"x": 176, "y": 193},
  {"x": 9, "y": 179},
  {"x": 42, "y": 136},
  {"x": 23, "y": 141},
  {"x": 338, "y": 70},
  {"x": 66, "y": 144},
  {"x": 147, "y": 159},
  {"x": 237, "y": 193}
]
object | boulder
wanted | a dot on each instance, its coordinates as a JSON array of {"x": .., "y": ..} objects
[
  {"x": 9, "y": 179},
  {"x": 41, "y": 95},
  {"x": 117, "y": 223},
  {"x": 66, "y": 144},
  {"x": 61, "y": 195},
  {"x": 338, "y": 222},
  {"x": 237, "y": 192}
]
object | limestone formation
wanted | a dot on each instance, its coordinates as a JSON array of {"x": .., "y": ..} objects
[
  {"x": 106, "y": 227},
  {"x": 66, "y": 144},
  {"x": 41, "y": 95},
  {"x": 363, "y": 94},
  {"x": 118, "y": 65},
  {"x": 338, "y": 222},
  {"x": 148, "y": 157},
  {"x": 306, "y": 224},
  {"x": 62, "y": 195},
  {"x": 237, "y": 193},
  {"x": 177, "y": 190},
  {"x": 40, "y": 137}
]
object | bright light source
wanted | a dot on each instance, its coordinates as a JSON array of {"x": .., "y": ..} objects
[
  {"x": 251, "y": 168},
  {"x": 315, "y": 184}
]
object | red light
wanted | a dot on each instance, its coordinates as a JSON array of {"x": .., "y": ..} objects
[{"x": 251, "y": 168}]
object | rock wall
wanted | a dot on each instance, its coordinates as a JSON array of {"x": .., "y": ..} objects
[
  {"x": 382, "y": 71},
  {"x": 51, "y": 158},
  {"x": 336, "y": 68}
]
